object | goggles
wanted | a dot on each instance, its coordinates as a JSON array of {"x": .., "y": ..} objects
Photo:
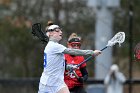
[{"x": 75, "y": 44}]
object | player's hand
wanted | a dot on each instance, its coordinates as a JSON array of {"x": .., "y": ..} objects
[
  {"x": 97, "y": 52},
  {"x": 71, "y": 66}
]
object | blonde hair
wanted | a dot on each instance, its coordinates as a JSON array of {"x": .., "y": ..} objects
[
  {"x": 74, "y": 35},
  {"x": 49, "y": 24}
]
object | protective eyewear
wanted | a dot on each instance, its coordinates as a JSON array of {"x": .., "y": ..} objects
[{"x": 75, "y": 44}]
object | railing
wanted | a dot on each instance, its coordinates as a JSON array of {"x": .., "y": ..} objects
[
  {"x": 21, "y": 81},
  {"x": 30, "y": 85}
]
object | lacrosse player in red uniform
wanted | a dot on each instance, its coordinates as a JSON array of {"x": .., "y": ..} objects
[{"x": 75, "y": 81}]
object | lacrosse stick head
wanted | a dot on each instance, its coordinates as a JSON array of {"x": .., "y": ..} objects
[
  {"x": 37, "y": 31},
  {"x": 118, "y": 38},
  {"x": 137, "y": 52}
]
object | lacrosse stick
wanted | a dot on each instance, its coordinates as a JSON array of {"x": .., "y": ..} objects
[
  {"x": 137, "y": 52},
  {"x": 118, "y": 38},
  {"x": 37, "y": 31}
]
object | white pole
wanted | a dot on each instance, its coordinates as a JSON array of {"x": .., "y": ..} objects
[{"x": 103, "y": 33}]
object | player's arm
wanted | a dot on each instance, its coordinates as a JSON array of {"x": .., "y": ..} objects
[{"x": 81, "y": 52}]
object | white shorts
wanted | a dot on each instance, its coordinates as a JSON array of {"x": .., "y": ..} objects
[{"x": 50, "y": 89}]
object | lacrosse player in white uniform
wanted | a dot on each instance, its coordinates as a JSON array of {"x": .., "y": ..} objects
[{"x": 52, "y": 79}]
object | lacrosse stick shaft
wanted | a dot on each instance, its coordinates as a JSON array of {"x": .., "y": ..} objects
[
  {"x": 103, "y": 48},
  {"x": 86, "y": 60},
  {"x": 118, "y": 38},
  {"x": 89, "y": 58},
  {"x": 75, "y": 74}
]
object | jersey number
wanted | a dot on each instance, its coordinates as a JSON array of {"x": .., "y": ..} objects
[{"x": 45, "y": 59}]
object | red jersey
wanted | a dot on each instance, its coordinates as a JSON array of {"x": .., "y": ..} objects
[{"x": 71, "y": 80}]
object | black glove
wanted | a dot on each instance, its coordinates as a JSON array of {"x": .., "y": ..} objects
[{"x": 81, "y": 79}]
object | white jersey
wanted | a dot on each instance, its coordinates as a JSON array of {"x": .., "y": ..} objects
[{"x": 54, "y": 64}]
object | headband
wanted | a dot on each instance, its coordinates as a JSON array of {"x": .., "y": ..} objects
[
  {"x": 52, "y": 28},
  {"x": 74, "y": 40}
]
